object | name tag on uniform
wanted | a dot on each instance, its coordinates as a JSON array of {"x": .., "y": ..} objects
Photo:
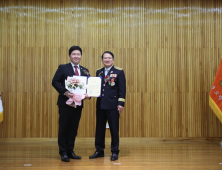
[{"x": 113, "y": 75}]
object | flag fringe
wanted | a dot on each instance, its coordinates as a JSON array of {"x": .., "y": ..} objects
[
  {"x": 1, "y": 116},
  {"x": 215, "y": 109}
]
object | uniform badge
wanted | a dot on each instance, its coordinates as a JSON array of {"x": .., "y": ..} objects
[
  {"x": 113, "y": 75},
  {"x": 100, "y": 73},
  {"x": 112, "y": 82}
]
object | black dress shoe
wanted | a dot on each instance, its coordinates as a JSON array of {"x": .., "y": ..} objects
[
  {"x": 64, "y": 157},
  {"x": 73, "y": 156},
  {"x": 114, "y": 157},
  {"x": 97, "y": 154}
]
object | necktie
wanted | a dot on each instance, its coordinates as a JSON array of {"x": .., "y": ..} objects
[{"x": 76, "y": 71}]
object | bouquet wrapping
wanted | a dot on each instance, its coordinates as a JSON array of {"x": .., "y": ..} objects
[{"x": 77, "y": 86}]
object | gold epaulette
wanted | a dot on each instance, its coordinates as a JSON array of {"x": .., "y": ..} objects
[
  {"x": 99, "y": 68},
  {"x": 118, "y": 68}
]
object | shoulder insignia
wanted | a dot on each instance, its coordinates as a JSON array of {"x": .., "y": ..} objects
[
  {"x": 99, "y": 68},
  {"x": 118, "y": 68}
]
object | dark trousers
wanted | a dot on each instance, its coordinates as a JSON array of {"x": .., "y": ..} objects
[
  {"x": 113, "y": 119},
  {"x": 68, "y": 126}
]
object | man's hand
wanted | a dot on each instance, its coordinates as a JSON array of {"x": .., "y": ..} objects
[
  {"x": 68, "y": 94},
  {"x": 87, "y": 96},
  {"x": 120, "y": 108}
]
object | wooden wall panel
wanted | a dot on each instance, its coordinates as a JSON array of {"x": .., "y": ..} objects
[{"x": 169, "y": 49}]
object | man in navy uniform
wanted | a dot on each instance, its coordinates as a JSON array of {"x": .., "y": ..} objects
[
  {"x": 68, "y": 116},
  {"x": 109, "y": 105}
]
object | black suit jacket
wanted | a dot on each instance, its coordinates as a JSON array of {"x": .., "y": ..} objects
[
  {"x": 112, "y": 95},
  {"x": 58, "y": 81}
]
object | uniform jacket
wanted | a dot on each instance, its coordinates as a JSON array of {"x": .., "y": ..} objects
[
  {"x": 114, "y": 94},
  {"x": 58, "y": 81}
]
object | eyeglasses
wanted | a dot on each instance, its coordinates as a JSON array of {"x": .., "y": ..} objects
[{"x": 107, "y": 58}]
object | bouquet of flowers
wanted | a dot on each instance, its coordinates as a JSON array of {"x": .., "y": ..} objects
[{"x": 77, "y": 87}]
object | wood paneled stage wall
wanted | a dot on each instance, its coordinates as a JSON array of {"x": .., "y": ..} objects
[{"x": 169, "y": 49}]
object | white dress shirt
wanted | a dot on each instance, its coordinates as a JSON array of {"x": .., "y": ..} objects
[
  {"x": 107, "y": 70},
  {"x": 78, "y": 68}
]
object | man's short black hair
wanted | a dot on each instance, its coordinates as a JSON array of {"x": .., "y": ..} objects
[
  {"x": 109, "y": 52},
  {"x": 75, "y": 48}
]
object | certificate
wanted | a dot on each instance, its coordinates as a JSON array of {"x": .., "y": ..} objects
[{"x": 94, "y": 86}]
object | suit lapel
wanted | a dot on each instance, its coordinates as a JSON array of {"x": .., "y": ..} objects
[
  {"x": 71, "y": 69},
  {"x": 81, "y": 72},
  {"x": 103, "y": 74}
]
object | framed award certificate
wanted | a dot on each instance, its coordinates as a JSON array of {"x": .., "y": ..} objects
[{"x": 94, "y": 86}]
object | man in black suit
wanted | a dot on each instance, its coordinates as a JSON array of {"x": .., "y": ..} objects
[
  {"x": 109, "y": 105},
  {"x": 68, "y": 116}
]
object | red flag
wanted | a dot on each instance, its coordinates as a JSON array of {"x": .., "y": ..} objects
[{"x": 215, "y": 98}]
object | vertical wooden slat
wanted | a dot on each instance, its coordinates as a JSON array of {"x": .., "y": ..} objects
[{"x": 169, "y": 50}]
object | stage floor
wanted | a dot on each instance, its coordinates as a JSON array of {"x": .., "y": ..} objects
[{"x": 135, "y": 153}]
